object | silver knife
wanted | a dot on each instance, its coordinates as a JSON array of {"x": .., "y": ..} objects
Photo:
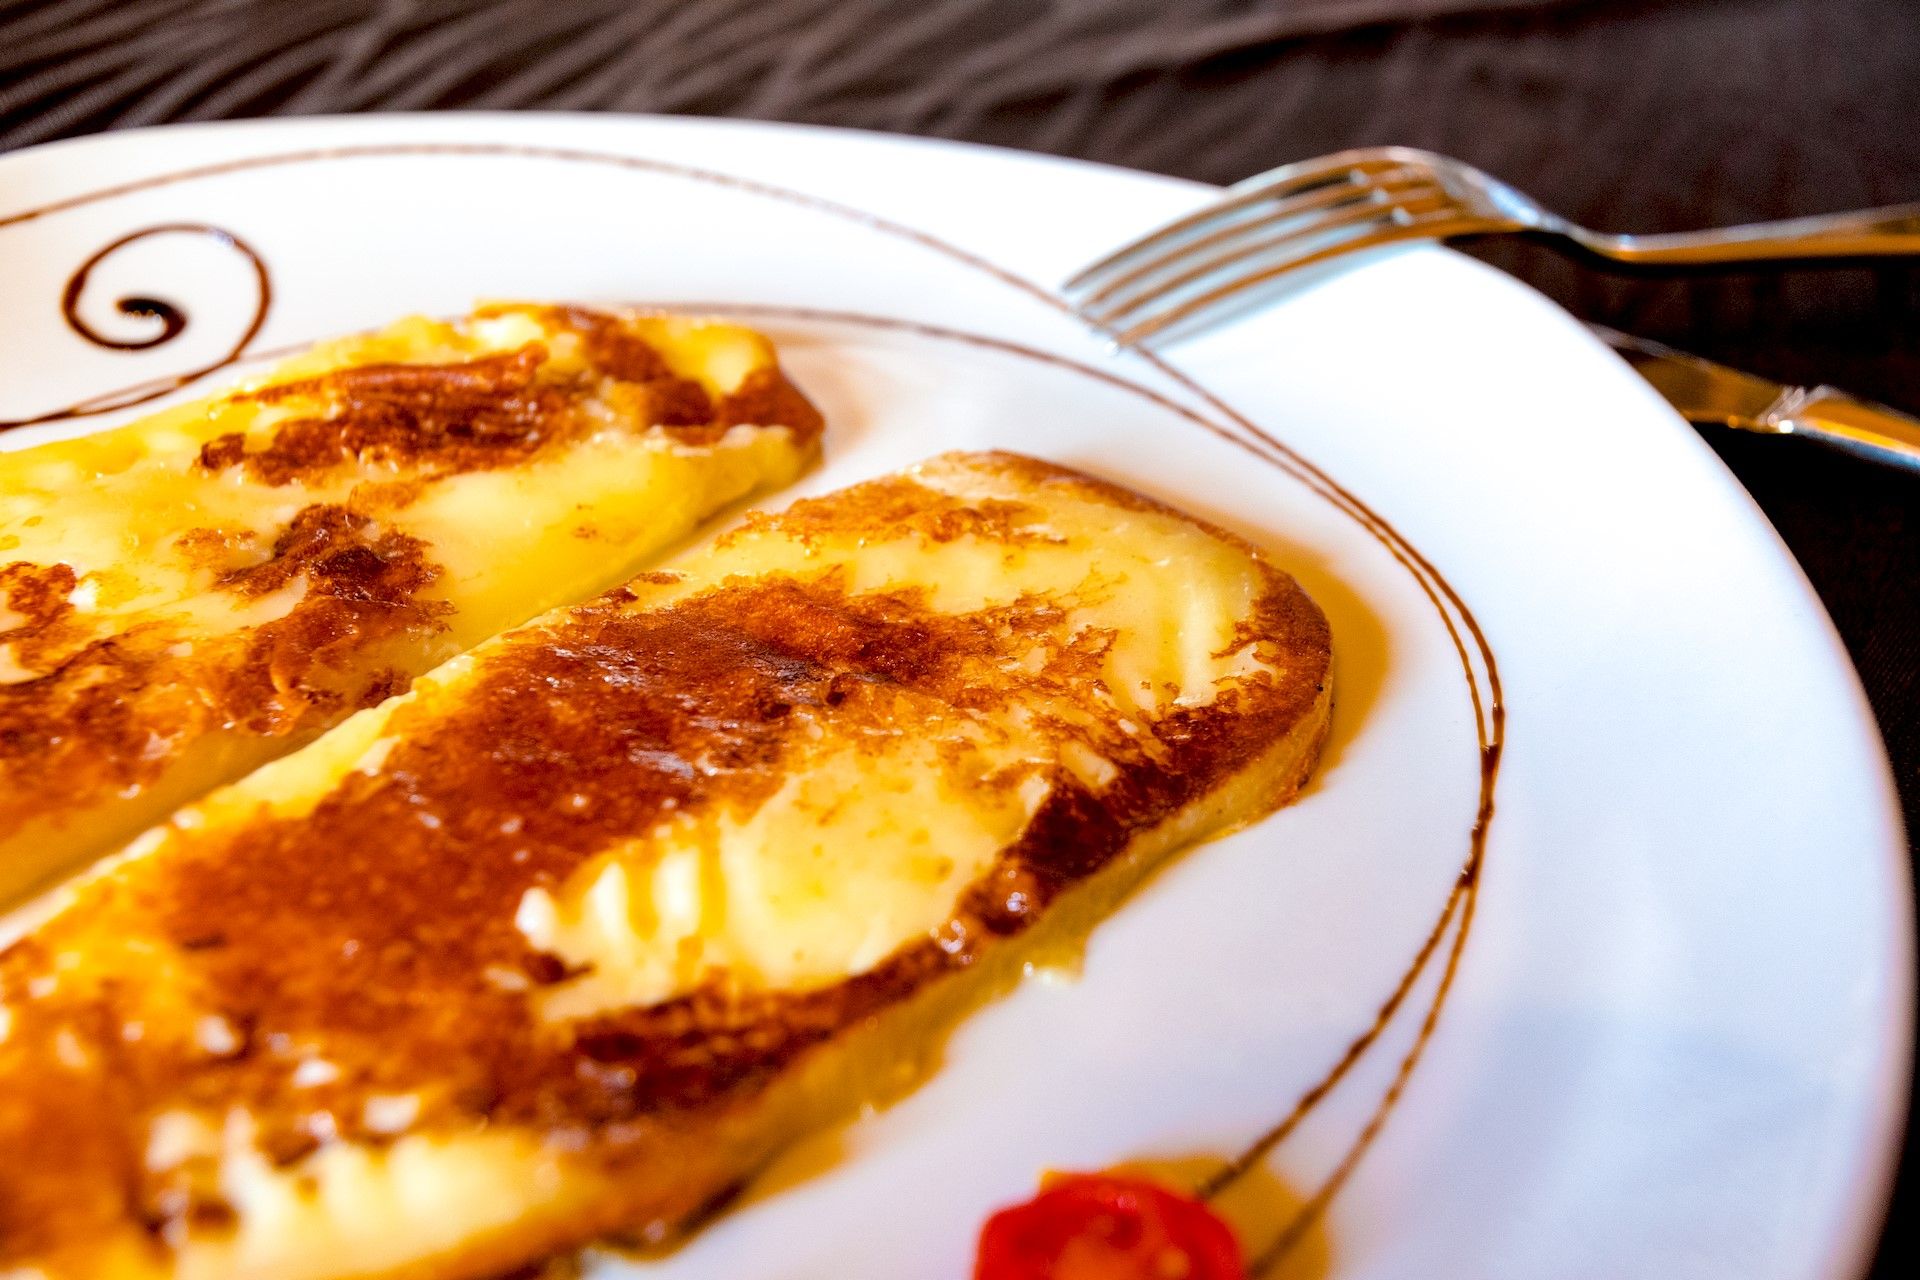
[{"x": 1706, "y": 392}]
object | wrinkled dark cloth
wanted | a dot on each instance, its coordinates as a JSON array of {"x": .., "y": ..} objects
[
  {"x": 69, "y": 66},
  {"x": 1631, "y": 115}
]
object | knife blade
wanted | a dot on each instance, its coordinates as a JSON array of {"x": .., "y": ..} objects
[{"x": 1707, "y": 392}]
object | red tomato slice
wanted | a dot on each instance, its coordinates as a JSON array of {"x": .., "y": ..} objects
[{"x": 1106, "y": 1227}]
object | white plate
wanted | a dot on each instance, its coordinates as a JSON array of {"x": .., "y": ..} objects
[{"x": 1677, "y": 1037}]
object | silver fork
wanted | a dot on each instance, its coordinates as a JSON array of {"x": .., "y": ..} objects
[{"x": 1303, "y": 214}]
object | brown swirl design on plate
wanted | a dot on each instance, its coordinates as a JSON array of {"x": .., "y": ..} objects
[
  {"x": 1447, "y": 939},
  {"x": 172, "y": 317}
]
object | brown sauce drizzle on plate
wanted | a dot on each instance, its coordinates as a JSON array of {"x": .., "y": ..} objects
[{"x": 172, "y": 317}]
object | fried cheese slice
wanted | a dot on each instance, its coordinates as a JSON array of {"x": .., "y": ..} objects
[
  {"x": 187, "y": 597},
  {"x": 577, "y": 933}
]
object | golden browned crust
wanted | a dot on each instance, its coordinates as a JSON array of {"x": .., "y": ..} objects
[
  {"x": 377, "y": 932},
  {"x": 110, "y": 711},
  {"x": 495, "y": 411},
  {"x": 893, "y": 506}
]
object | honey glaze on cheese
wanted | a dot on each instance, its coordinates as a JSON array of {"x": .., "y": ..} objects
[
  {"x": 272, "y": 558},
  {"x": 634, "y": 860}
]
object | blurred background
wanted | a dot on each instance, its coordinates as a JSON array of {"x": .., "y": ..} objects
[{"x": 1629, "y": 115}]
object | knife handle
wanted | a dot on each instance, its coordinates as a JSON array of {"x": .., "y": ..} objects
[{"x": 1861, "y": 427}]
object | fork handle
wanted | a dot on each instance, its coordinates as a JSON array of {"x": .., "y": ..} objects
[{"x": 1866, "y": 233}]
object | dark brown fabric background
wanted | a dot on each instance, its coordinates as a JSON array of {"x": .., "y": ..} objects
[{"x": 1633, "y": 115}]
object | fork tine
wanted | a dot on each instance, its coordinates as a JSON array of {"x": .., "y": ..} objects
[
  {"x": 1434, "y": 227},
  {"x": 1346, "y": 168},
  {"x": 1413, "y": 204},
  {"x": 1285, "y": 209}
]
